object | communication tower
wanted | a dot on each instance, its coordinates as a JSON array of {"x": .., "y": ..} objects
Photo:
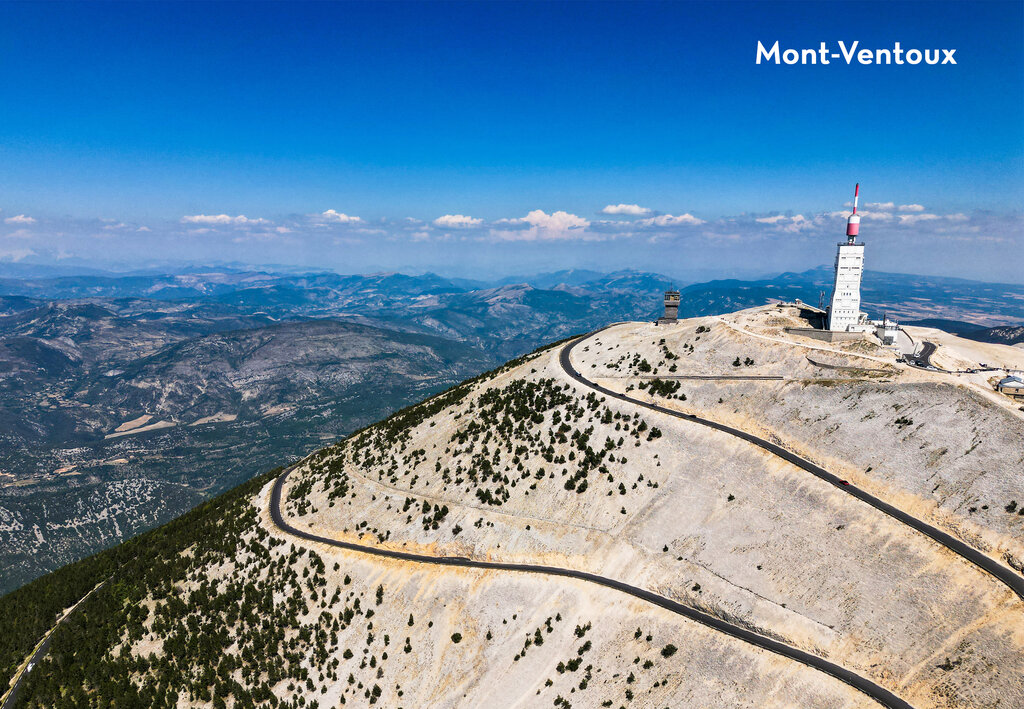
[{"x": 844, "y": 308}]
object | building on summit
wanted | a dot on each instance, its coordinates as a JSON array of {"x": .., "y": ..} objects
[
  {"x": 843, "y": 319},
  {"x": 844, "y": 313},
  {"x": 671, "y": 307},
  {"x": 844, "y": 308},
  {"x": 1012, "y": 386},
  {"x": 886, "y": 330}
]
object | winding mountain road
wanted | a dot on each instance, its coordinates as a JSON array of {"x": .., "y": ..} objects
[
  {"x": 984, "y": 562},
  {"x": 880, "y": 694},
  {"x": 927, "y": 350}
]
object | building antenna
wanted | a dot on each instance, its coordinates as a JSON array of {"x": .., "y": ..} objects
[{"x": 853, "y": 224}]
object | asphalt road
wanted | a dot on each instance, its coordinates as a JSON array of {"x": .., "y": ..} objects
[
  {"x": 979, "y": 559},
  {"x": 12, "y": 698},
  {"x": 923, "y": 360},
  {"x": 880, "y": 694},
  {"x": 927, "y": 350}
]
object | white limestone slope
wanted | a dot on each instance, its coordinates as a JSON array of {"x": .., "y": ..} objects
[{"x": 705, "y": 518}]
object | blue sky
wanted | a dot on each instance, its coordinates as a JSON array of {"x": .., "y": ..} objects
[{"x": 147, "y": 114}]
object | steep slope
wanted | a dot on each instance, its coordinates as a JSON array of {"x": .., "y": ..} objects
[
  {"x": 219, "y": 609},
  {"x": 528, "y": 465}
]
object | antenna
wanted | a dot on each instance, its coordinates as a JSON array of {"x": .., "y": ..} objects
[{"x": 853, "y": 223}]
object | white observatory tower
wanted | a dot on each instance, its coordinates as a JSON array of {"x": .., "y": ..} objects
[{"x": 844, "y": 308}]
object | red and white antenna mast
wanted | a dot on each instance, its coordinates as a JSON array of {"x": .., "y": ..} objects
[{"x": 853, "y": 223}]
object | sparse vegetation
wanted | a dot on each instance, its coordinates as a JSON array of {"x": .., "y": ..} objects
[
  {"x": 501, "y": 445},
  {"x": 663, "y": 387}
]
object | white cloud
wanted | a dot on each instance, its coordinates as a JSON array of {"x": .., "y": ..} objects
[
  {"x": 890, "y": 206},
  {"x": 339, "y": 217},
  {"x": 20, "y": 219},
  {"x": 632, "y": 209},
  {"x": 456, "y": 221},
  {"x": 915, "y": 218},
  {"x": 928, "y": 217},
  {"x": 670, "y": 220},
  {"x": 556, "y": 221},
  {"x": 222, "y": 220},
  {"x": 878, "y": 216},
  {"x": 544, "y": 227},
  {"x": 792, "y": 224}
]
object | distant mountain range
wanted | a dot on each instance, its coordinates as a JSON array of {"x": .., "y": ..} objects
[
  {"x": 1003, "y": 334},
  {"x": 127, "y": 398},
  {"x": 121, "y": 415},
  {"x": 310, "y": 294}
]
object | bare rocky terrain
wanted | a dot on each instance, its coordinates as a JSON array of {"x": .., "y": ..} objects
[{"x": 952, "y": 442}]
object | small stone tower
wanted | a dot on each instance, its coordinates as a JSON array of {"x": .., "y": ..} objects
[{"x": 671, "y": 307}]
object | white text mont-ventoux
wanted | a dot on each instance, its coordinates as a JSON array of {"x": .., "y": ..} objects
[{"x": 850, "y": 54}]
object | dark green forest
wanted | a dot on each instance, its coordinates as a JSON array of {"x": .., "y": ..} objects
[{"x": 145, "y": 564}]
